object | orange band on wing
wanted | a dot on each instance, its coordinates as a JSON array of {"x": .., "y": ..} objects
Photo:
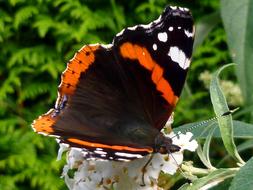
[
  {"x": 44, "y": 123},
  {"x": 136, "y": 52},
  {"x": 81, "y": 62},
  {"x": 113, "y": 147},
  {"x": 69, "y": 79}
]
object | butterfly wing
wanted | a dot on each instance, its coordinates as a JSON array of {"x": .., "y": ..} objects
[
  {"x": 113, "y": 100},
  {"x": 161, "y": 52},
  {"x": 95, "y": 110}
]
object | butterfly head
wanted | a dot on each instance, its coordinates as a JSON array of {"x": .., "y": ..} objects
[{"x": 164, "y": 145}]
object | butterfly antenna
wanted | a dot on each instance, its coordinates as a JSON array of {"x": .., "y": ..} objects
[{"x": 206, "y": 121}]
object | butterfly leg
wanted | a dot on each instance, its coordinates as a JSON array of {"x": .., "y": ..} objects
[{"x": 144, "y": 169}]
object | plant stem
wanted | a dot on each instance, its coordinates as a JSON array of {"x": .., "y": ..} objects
[{"x": 200, "y": 171}]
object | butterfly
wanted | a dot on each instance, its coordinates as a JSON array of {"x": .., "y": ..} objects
[{"x": 114, "y": 100}]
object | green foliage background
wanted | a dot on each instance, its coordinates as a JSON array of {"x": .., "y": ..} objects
[{"x": 38, "y": 37}]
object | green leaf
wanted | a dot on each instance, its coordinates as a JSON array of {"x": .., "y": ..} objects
[
  {"x": 204, "y": 154},
  {"x": 225, "y": 123},
  {"x": 244, "y": 177},
  {"x": 206, "y": 147},
  {"x": 237, "y": 19},
  {"x": 202, "y": 157},
  {"x": 223, "y": 185},
  {"x": 245, "y": 145},
  {"x": 216, "y": 176},
  {"x": 242, "y": 147}
]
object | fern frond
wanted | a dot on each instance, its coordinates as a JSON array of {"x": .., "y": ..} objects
[
  {"x": 43, "y": 24},
  {"x": 31, "y": 91},
  {"x": 33, "y": 56},
  {"x": 23, "y": 14},
  {"x": 7, "y": 125}
]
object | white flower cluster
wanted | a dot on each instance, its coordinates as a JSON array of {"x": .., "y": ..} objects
[{"x": 102, "y": 175}]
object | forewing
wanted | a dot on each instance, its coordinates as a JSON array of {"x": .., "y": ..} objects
[{"x": 161, "y": 52}]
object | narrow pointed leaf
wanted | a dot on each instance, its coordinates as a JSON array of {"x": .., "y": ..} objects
[
  {"x": 206, "y": 147},
  {"x": 202, "y": 157},
  {"x": 225, "y": 123}
]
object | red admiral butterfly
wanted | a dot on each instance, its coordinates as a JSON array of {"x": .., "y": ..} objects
[{"x": 114, "y": 99}]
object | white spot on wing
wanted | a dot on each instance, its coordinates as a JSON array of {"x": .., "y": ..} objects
[
  {"x": 179, "y": 27},
  {"x": 171, "y": 28},
  {"x": 128, "y": 155},
  {"x": 173, "y": 7},
  {"x": 106, "y": 45},
  {"x": 188, "y": 34},
  {"x": 100, "y": 152},
  {"x": 154, "y": 47},
  {"x": 162, "y": 36},
  {"x": 122, "y": 159},
  {"x": 179, "y": 57}
]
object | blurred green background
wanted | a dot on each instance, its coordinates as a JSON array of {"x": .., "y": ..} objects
[{"x": 38, "y": 37}]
